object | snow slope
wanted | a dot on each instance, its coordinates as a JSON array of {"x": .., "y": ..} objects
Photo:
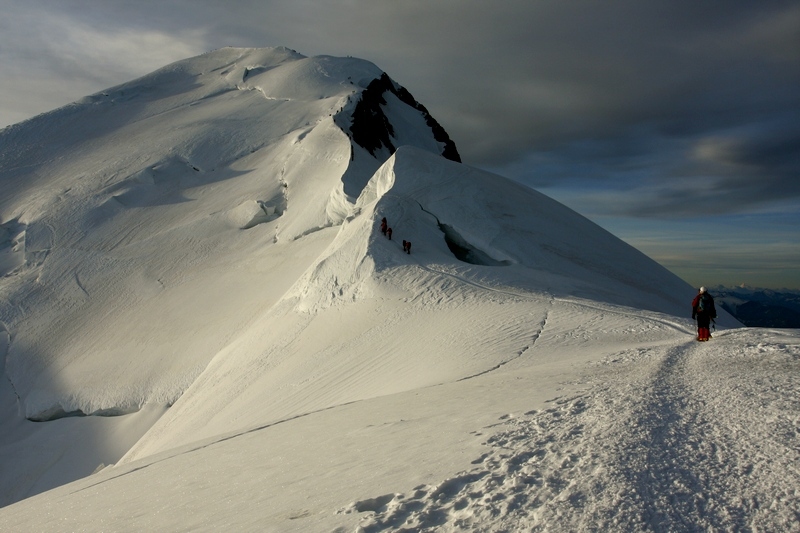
[
  {"x": 289, "y": 355},
  {"x": 199, "y": 269},
  {"x": 626, "y": 426},
  {"x": 145, "y": 226}
]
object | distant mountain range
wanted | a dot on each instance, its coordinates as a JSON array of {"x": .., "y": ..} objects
[{"x": 756, "y": 307}]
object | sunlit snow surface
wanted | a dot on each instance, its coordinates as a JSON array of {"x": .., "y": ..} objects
[{"x": 193, "y": 294}]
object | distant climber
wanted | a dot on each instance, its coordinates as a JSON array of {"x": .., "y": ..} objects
[
  {"x": 384, "y": 225},
  {"x": 407, "y": 246},
  {"x": 389, "y": 233},
  {"x": 704, "y": 311}
]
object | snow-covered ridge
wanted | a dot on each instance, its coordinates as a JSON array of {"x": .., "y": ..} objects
[
  {"x": 259, "y": 122},
  {"x": 135, "y": 222},
  {"x": 198, "y": 252},
  {"x": 288, "y": 356},
  {"x": 414, "y": 190}
]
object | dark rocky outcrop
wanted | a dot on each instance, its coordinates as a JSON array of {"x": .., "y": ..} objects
[{"x": 371, "y": 129}]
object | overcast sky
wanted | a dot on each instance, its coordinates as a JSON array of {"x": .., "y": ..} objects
[{"x": 674, "y": 124}]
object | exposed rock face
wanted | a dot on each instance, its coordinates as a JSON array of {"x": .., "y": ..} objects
[{"x": 371, "y": 128}]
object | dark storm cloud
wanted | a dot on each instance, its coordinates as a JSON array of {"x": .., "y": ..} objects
[
  {"x": 680, "y": 106},
  {"x": 674, "y": 102},
  {"x": 644, "y": 173},
  {"x": 655, "y": 118}
]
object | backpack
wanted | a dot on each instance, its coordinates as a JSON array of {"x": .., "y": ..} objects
[{"x": 706, "y": 304}]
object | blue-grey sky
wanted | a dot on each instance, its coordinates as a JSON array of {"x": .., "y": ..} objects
[{"x": 675, "y": 124}]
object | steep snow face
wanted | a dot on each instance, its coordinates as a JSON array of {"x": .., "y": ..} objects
[
  {"x": 143, "y": 228},
  {"x": 204, "y": 243},
  {"x": 460, "y": 218},
  {"x": 134, "y": 198},
  {"x": 478, "y": 222},
  {"x": 492, "y": 257}
]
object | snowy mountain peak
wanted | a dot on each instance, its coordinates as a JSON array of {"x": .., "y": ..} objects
[
  {"x": 136, "y": 223},
  {"x": 192, "y": 264}
]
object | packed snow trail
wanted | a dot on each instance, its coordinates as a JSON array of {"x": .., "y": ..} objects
[{"x": 680, "y": 436}]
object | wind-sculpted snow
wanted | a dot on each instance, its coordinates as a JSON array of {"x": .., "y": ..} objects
[
  {"x": 288, "y": 356},
  {"x": 144, "y": 227},
  {"x": 198, "y": 252},
  {"x": 610, "y": 421},
  {"x": 678, "y": 437},
  {"x": 12, "y": 245},
  {"x": 525, "y": 229}
]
